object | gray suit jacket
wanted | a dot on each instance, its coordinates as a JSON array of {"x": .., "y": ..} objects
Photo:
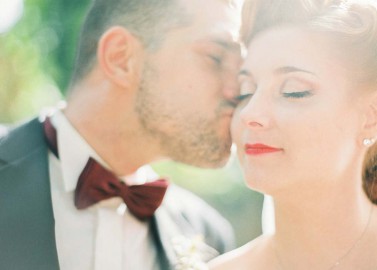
[{"x": 27, "y": 235}]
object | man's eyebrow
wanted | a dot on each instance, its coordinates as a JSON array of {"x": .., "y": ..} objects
[
  {"x": 289, "y": 69},
  {"x": 228, "y": 45}
]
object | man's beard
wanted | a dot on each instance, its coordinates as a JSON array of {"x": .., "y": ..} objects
[{"x": 191, "y": 139}]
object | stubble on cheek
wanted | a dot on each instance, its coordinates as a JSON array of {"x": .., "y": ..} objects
[{"x": 183, "y": 133}]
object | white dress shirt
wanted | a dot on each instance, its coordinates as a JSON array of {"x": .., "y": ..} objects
[
  {"x": 104, "y": 236},
  {"x": 268, "y": 215}
]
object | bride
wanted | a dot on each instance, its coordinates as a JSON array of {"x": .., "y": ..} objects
[{"x": 305, "y": 130}]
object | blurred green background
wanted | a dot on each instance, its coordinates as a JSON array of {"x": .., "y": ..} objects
[{"x": 36, "y": 59}]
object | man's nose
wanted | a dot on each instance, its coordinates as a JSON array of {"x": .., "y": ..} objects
[
  {"x": 231, "y": 87},
  {"x": 231, "y": 91}
]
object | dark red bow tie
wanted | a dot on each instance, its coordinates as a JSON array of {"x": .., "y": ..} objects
[{"x": 96, "y": 183}]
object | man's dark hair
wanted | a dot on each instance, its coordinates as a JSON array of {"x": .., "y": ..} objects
[{"x": 149, "y": 20}]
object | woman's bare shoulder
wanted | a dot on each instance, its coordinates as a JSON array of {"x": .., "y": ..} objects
[{"x": 250, "y": 256}]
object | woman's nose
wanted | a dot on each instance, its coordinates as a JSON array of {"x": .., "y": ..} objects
[{"x": 257, "y": 112}]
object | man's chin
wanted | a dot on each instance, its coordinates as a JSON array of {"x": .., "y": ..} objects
[{"x": 209, "y": 163}]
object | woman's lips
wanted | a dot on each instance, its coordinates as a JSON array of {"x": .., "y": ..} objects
[{"x": 260, "y": 149}]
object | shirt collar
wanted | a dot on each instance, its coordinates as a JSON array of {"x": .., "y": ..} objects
[{"x": 74, "y": 153}]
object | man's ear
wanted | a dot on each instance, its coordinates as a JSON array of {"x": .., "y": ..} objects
[{"x": 117, "y": 53}]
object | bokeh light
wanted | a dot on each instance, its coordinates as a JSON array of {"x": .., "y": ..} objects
[{"x": 10, "y": 13}]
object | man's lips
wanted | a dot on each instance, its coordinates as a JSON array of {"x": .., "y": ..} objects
[{"x": 260, "y": 149}]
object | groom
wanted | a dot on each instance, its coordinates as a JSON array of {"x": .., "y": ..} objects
[{"x": 154, "y": 79}]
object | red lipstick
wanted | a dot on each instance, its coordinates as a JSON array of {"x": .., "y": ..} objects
[{"x": 260, "y": 149}]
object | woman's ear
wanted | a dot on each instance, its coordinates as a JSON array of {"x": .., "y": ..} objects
[
  {"x": 118, "y": 54},
  {"x": 370, "y": 122}
]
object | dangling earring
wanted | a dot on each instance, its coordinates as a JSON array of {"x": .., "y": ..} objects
[{"x": 369, "y": 142}]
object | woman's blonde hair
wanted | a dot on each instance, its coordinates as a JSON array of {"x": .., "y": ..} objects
[{"x": 350, "y": 25}]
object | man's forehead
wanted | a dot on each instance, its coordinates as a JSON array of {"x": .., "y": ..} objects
[
  {"x": 227, "y": 46},
  {"x": 226, "y": 35},
  {"x": 226, "y": 42},
  {"x": 225, "y": 29}
]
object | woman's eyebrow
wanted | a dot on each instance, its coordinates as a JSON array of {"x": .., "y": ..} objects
[
  {"x": 280, "y": 70},
  {"x": 289, "y": 69}
]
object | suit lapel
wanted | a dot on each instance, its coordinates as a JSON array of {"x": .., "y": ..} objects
[
  {"x": 27, "y": 236},
  {"x": 164, "y": 230},
  {"x": 173, "y": 233}
]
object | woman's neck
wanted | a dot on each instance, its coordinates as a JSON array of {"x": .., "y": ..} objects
[{"x": 316, "y": 231}]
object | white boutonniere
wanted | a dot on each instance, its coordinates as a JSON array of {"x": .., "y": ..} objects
[{"x": 189, "y": 253}]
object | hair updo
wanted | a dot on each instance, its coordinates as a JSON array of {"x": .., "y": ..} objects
[{"x": 350, "y": 25}]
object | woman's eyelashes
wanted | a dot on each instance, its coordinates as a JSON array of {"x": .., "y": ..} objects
[
  {"x": 291, "y": 88},
  {"x": 244, "y": 97},
  {"x": 300, "y": 94},
  {"x": 295, "y": 88},
  {"x": 247, "y": 89}
]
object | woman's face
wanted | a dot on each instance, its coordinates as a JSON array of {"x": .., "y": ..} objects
[{"x": 301, "y": 116}]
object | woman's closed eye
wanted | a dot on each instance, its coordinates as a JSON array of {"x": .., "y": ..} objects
[
  {"x": 300, "y": 94},
  {"x": 244, "y": 97},
  {"x": 247, "y": 89},
  {"x": 294, "y": 88}
]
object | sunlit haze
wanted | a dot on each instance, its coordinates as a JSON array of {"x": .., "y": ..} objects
[{"x": 10, "y": 12}]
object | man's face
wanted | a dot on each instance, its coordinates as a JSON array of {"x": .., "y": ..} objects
[{"x": 185, "y": 100}]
